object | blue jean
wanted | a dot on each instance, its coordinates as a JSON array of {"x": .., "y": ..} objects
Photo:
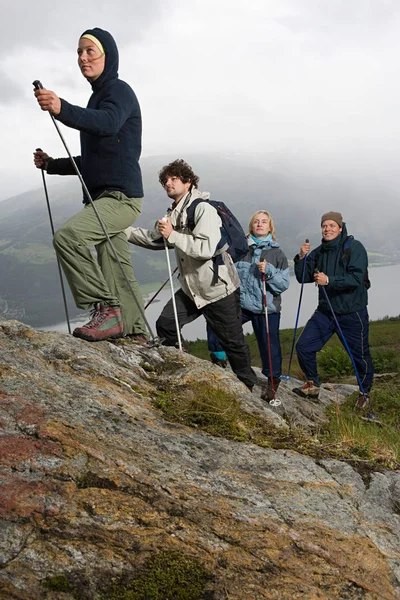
[
  {"x": 260, "y": 331},
  {"x": 321, "y": 327}
]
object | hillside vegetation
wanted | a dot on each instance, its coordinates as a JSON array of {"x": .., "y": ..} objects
[{"x": 347, "y": 434}]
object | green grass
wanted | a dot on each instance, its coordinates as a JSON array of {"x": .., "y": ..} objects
[
  {"x": 368, "y": 441},
  {"x": 216, "y": 411},
  {"x": 346, "y": 437}
]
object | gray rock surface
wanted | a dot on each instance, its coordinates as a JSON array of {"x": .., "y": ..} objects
[{"x": 94, "y": 482}]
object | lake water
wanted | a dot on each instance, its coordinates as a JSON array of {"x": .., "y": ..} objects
[{"x": 383, "y": 301}]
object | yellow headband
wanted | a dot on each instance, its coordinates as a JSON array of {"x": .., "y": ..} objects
[{"x": 93, "y": 39}]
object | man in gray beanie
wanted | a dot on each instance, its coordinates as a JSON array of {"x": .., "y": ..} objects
[{"x": 339, "y": 266}]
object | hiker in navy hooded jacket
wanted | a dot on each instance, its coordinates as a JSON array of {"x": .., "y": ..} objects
[
  {"x": 110, "y": 133},
  {"x": 340, "y": 266},
  {"x": 264, "y": 256}
]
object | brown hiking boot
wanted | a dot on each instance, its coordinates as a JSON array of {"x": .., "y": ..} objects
[
  {"x": 268, "y": 393},
  {"x": 362, "y": 402},
  {"x": 307, "y": 390},
  {"x": 106, "y": 322}
]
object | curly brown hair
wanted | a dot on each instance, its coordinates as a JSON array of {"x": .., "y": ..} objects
[{"x": 178, "y": 168}]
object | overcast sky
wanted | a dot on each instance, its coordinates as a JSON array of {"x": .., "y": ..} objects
[{"x": 317, "y": 79}]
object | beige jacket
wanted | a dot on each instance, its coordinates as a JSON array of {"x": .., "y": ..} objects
[{"x": 194, "y": 250}]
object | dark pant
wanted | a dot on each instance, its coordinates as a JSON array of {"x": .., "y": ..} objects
[
  {"x": 260, "y": 331},
  {"x": 224, "y": 317},
  {"x": 321, "y": 327}
]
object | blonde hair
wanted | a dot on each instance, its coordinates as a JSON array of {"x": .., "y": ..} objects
[{"x": 271, "y": 222}]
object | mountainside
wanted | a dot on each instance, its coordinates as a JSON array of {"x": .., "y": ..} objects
[
  {"x": 103, "y": 498},
  {"x": 30, "y": 288}
]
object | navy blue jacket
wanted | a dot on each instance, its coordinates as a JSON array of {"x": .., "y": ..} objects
[
  {"x": 111, "y": 131},
  {"x": 346, "y": 289}
]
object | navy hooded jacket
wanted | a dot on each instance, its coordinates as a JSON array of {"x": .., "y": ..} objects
[
  {"x": 347, "y": 290},
  {"x": 111, "y": 131}
]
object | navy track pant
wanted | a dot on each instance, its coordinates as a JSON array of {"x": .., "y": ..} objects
[{"x": 321, "y": 327}]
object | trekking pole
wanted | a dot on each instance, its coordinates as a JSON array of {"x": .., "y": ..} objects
[
  {"x": 52, "y": 231},
  {"x": 344, "y": 341},
  {"x": 162, "y": 287},
  {"x": 286, "y": 377},
  {"x": 275, "y": 401},
  {"x": 178, "y": 333},
  {"x": 38, "y": 86}
]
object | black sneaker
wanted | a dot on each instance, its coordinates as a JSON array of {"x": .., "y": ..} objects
[{"x": 220, "y": 362}]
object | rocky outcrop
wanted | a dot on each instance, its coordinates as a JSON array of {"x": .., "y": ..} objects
[{"x": 96, "y": 486}]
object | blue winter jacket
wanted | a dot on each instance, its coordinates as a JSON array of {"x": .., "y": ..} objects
[
  {"x": 277, "y": 277},
  {"x": 111, "y": 131}
]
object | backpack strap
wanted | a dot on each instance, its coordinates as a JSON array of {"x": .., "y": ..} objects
[
  {"x": 346, "y": 248},
  {"x": 346, "y": 258},
  {"x": 190, "y": 212}
]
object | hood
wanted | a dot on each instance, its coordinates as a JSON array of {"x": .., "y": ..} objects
[
  {"x": 327, "y": 246},
  {"x": 197, "y": 194},
  {"x": 112, "y": 57}
]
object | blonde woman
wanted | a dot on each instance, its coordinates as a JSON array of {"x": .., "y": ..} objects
[{"x": 264, "y": 256}]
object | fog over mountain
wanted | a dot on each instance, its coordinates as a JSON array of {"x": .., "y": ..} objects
[{"x": 295, "y": 195}]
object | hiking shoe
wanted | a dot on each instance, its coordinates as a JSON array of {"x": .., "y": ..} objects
[
  {"x": 268, "y": 393},
  {"x": 220, "y": 362},
  {"x": 307, "y": 390},
  {"x": 106, "y": 322},
  {"x": 362, "y": 402}
]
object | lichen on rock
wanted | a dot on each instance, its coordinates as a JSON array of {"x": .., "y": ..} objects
[{"x": 105, "y": 495}]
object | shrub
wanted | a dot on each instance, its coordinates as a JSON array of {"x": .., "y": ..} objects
[
  {"x": 385, "y": 360},
  {"x": 333, "y": 361}
]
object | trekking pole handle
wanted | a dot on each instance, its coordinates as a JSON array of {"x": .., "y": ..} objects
[
  {"x": 37, "y": 85},
  {"x": 40, "y": 150}
]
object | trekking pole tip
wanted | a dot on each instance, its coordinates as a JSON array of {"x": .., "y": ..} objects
[{"x": 37, "y": 84}]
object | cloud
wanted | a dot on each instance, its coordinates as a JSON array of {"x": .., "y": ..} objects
[
  {"x": 312, "y": 79},
  {"x": 10, "y": 89},
  {"x": 43, "y": 24}
]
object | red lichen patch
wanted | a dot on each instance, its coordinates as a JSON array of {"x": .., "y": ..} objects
[
  {"x": 16, "y": 449},
  {"x": 30, "y": 415},
  {"x": 20, "y": 498}
]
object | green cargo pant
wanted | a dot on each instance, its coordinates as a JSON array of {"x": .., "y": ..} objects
[{"x": 94, "y": 281}]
